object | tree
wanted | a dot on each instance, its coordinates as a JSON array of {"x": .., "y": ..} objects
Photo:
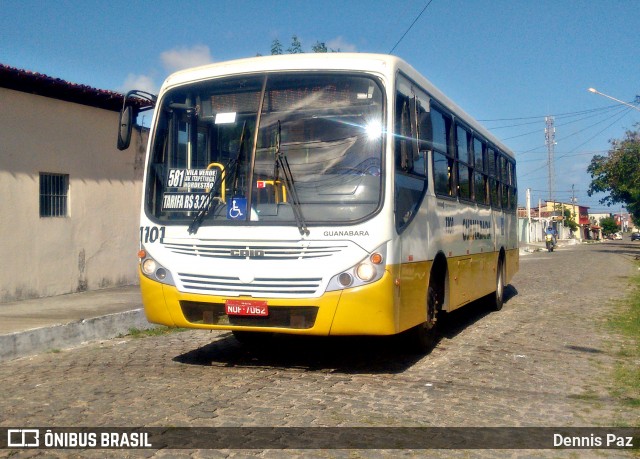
[
  {"x": 276, "y": 47},
  {"x": 618, "y": 173},
  {"x": 569, "y": 220},
  {"x": 609, "y": 225},
  {"x": 319, "y": 47},
  {"x": 296, "y": 46}
]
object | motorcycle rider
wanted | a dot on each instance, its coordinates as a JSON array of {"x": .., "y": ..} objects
[{"x": 552, "y": 232}]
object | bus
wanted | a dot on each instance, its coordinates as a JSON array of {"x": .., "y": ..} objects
[{"x": 319, "y": 194}]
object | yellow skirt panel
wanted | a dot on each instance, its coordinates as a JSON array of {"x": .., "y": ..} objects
[{"x": 366, "y": 310}]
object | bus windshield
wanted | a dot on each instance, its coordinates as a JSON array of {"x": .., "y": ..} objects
[{"x": 216, "y": 147}]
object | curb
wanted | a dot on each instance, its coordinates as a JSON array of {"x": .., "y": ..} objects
[{"x": 38, "y": 340}]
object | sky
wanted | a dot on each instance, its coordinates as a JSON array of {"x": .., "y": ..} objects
[{"x": 508, "y": 63}]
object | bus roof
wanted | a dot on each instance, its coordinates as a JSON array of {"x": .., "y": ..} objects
[{"x": 382, "y": 64}]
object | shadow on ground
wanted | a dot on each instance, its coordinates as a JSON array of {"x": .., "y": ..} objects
[
  {"x": 343, "y": 354},
  {"x": 631, "y": 249}
]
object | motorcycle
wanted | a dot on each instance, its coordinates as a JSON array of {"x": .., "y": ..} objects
[{"x": 548, "y": 239}]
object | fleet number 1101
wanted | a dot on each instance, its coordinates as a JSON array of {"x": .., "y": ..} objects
[{"x": 150, "y": 234}]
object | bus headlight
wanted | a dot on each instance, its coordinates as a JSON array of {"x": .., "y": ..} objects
[
  {"x": 149, "y": 266},
  {"x": 153, "y": 270},
  {"x": 368, "y": 270},
  {"x": 345, "y": 279}
]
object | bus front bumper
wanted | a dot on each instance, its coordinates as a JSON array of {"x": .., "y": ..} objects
[{"x": 365, "y": 310}]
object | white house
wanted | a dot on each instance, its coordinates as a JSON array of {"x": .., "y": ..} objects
[{"x": 69, "y": 200}]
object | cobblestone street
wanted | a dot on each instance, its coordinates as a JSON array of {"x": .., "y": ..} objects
[{"x": 546, "y": 359}]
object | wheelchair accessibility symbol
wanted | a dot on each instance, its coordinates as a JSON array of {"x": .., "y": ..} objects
[{"x": 237, "y": 209}]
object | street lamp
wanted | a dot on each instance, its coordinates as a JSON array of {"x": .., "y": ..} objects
[{"x": 613, "y": 98}]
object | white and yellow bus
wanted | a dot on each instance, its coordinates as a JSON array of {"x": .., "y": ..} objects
[{"x": 319, "y": 194}]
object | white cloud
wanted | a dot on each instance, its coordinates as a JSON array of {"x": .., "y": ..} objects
[
  {"x": 182, "y": 58},
  {"x": 172, "y": 60},
  {"x": 140, "y": 82},
  {"x": 339, "y": 44}
]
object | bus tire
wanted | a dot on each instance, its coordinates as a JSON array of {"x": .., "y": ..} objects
[
  {"x": 497, "y": 299},
  {"x": 422, "y": 338}
]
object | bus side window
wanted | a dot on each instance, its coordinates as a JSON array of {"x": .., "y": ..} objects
[
  {"x": 494, "y": 182},
  {"x": 463, "y": 153},
  {"x": 513, "y": 190},
  {"x": 505, "y": 182},
  {"x": 442, "y": 158},
  {"x": 410, "y": 174},
  {"x": 404, "y": 134},
  {"x": 425, "y": 136},
  {"x": 479, "y": 173}
]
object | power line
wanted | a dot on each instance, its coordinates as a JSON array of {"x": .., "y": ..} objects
[
  {"x": 532, "y": 171},
  {"x": 411, "y": 26},
  {"x": 568, "y": 154},
  {"x": 558, "y": 115},
  {"x": 622, "y": 111},
  {"x": 537, "y": 131},
  {"x": 619, "y": 109},
  {"x": 600, "y": 132}
]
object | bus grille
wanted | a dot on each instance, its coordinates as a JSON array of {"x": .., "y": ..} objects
[
  {"x": 254, "y": 251},
  {"x": 299, "y": 317},
  {"x": 261, "y": 286}
]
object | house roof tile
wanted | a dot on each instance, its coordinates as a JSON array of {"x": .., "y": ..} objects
[{"x": 56, "y": 88}]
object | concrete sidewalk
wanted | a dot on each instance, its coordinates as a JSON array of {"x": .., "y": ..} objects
[
  {"x": 530, "y": 247},
  {"x": 33, "y": 326}
]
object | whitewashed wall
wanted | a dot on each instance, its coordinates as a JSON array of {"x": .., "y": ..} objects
[{"x": 93, "y": 247}]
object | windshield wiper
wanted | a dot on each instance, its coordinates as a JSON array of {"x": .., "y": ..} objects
[
  {"x": 230, "y": 169},
  {"x": 282, "y": 163},
  {"x": 209, "y": 206}
]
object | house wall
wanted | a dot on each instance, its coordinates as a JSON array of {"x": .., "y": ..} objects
[
  {"x": 94, "y": 246},
  {"x": 534, "y": 230},
  {"x": 595, "y": 218}
]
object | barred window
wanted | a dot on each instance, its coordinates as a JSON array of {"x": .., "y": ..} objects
[{"x": 54, "y": 190}]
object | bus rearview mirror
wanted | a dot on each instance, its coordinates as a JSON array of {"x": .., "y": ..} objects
[{"x": 125, "y": 125}]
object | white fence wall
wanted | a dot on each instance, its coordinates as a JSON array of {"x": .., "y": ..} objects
[{"x": 531, "y": 231}]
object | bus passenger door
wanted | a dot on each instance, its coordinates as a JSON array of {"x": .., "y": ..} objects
[{"x": 410, "y": 187}]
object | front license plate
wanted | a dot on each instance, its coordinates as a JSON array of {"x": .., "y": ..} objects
[{"x": 246, "y": 308}]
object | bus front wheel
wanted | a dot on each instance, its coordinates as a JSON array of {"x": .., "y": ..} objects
[
  {"x": 497, "y": 299},
  {"x": 421, "y": 338}
]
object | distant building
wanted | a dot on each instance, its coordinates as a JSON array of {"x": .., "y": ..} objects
[
  {"x": 595, "y": 219},
  {"x": 623, "y": 220},
  {"x": 551, "y": 213},
  {"x": 70, "y": 199}
]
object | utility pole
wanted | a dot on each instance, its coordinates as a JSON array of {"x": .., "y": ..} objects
[
  {"x": 550, "y": 140},
  {"x": 573, "y": 208},
  {"x": 540, "y": 215},
  {"x": 529, "y": 214},
  {"x": 573, "y": 201}
]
